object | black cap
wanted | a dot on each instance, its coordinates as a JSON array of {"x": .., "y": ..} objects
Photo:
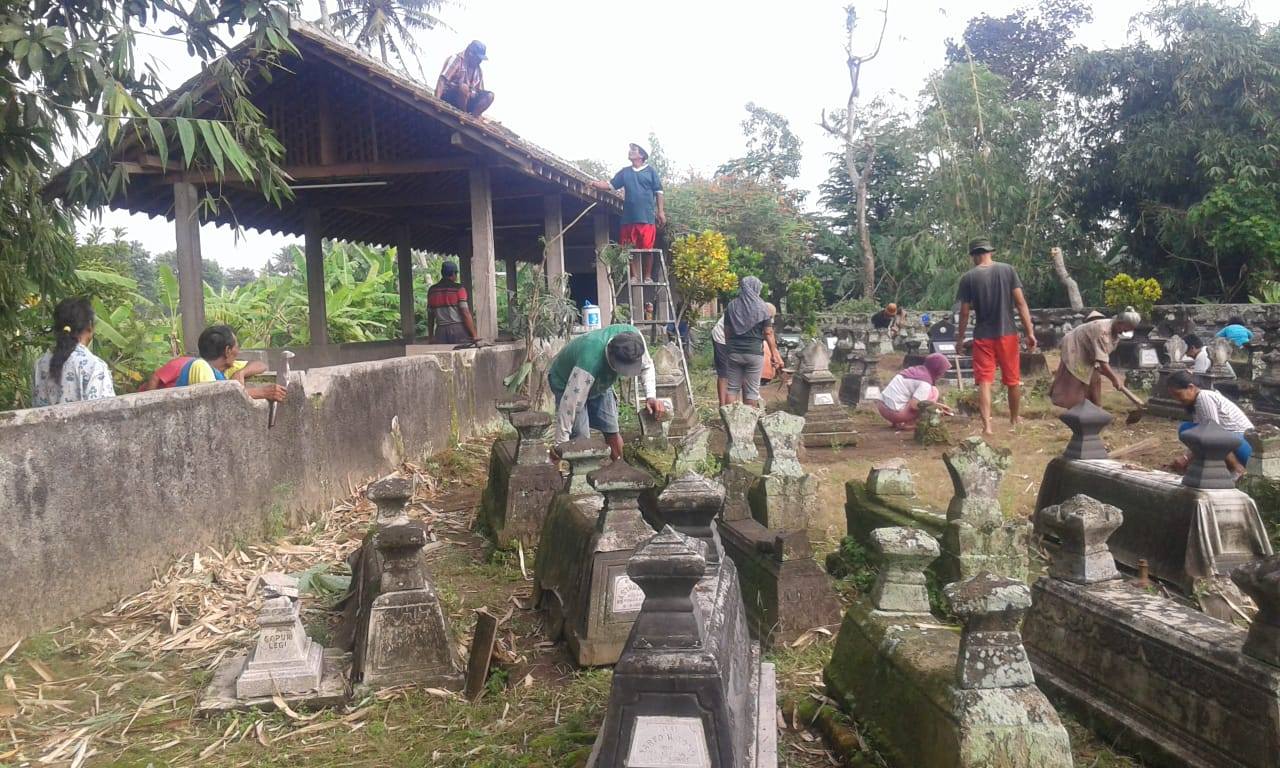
[
  {"x": 625, "y": 353},
  {"x": 980, "y": 245},
  {"x": 478, "y": 50}
]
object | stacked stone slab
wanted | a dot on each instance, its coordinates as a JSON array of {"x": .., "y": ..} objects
[
  {"x": 581, "y": 579},
  {"x": 978, "y": 536},
  {"x": 861, "y": 382},
  {"x": 785, "y": 589},
  {"x": 393, "y": 621},
  {"x": 888, "y": 499},
  {"x": 742, "y": 465},
  {"x": 1188, "y": 529},
  {"x": 522, "y": 481},
  {"x": 785, "y": 494},
  {"x": 932, "y": 698},
  {"x": 812, "y": 395},
  {"x": 283, "y": 662},
  {"x": 689, "y": 690},
  {"x": 1152, "y": 674}
]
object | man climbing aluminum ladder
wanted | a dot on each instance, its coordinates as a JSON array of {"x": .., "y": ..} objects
[{"x": 657, "y": 311}]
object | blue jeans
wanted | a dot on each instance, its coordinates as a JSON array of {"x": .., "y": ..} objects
[
  {"x": 1243, "y": 452},
  {"x": 601, "y": 413}
]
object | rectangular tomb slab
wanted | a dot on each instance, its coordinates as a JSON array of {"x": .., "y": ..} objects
[
  {"x": 1162, "y": 678},
  {"x": 220, "y": 695}
]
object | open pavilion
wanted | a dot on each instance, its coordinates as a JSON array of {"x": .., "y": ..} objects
[{"x": 376, "y": 158}]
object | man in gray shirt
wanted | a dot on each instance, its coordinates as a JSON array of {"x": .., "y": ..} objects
[{"x": 992, "y": 290}]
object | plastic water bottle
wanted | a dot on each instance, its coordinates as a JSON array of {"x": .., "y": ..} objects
[{"x": 590, "y": 316}]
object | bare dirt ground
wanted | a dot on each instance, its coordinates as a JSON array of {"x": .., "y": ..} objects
[{"x": 119, "y": 687}]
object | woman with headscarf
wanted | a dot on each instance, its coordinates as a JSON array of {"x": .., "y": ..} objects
[
  {"x": 900, "y": 401},
  {"x": 748, "y": 330},
  {"x": 1086, "y": 360}
]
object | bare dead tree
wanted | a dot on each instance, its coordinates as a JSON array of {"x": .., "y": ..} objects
[
  {"x": 858, "y": 134},
  {"x": 1068, "y": 282}
]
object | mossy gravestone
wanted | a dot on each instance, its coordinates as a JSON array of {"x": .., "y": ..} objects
[
  {"x": 978, "y": 536},
  {"x": 522, "y": 482},
  {"x": 930, "y": 428}
]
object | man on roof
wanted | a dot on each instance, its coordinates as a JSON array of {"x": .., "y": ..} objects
[
  {"x": 642, "y": 209},
  {"x": 461, "y": 82}
]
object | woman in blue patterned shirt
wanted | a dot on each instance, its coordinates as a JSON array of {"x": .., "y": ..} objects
[{"x": 71, "y": 373}]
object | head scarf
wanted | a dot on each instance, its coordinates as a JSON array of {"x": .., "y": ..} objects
[
  {"x": 934, "y": 366},
  {"x": 747, "y": 310}
]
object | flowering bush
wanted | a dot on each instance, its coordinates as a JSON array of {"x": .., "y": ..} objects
[
  {"x": 701, "y": 266},
  {"x": 1141, "y": 293}
]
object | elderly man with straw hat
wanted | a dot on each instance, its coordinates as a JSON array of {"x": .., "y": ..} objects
[{"x": 1086, "y": 359}]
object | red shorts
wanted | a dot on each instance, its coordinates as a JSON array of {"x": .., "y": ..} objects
[
  {"x": 638, "y": 235},
  {"x": 1005, "y": 352}
]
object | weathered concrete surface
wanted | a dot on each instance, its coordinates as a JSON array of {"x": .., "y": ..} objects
[
  {"x": 1161, "y": 678},
  {"x": 517, "y": 496},
  {"x": 978, "y": 537},
  {"x": 863, "y": 513},
  {"x": 96, "y": 497}
]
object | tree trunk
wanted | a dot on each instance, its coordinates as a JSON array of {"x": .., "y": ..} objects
[
  {"x": 324, "y": 16},
  {"x": 864, "y": 237},
  {"x": 1068, "y": 282}
]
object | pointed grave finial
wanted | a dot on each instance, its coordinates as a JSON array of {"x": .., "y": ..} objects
[
  {"x": 1209, "y": 444},
  {"x": 1086, "y": 421},
  {"x": 903, "y": 555},
  {"x": 667, "y": 568},
  {"x": 991, "y": 650},
  {"x": 1260, "y": 580},
  {"x": 533, "y": 428},
  {"x": 391, "y": 494},
  {"x": 585, "y": 455},
  {"x": 620, "y": 523},
  {"x": 690, "y": 504},
  {"x": 510, "y": 406},
  {"x": 1082, "y": 525}
]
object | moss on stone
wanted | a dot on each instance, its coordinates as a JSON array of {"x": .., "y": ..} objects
[{"x": 1266, "y": 493}]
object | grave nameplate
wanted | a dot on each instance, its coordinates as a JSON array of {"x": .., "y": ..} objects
[
  {"x": 1147, "y": 358},
  {"x": 626, "y": 596},
  {"x": 668, "y": 742},
  {"x": 873, "y": 393},
  {"x": 945, "y": 347},
  {"x": 824, "y": 398}
]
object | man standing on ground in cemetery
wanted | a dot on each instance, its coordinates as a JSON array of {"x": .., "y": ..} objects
[
  {"x": 581, "y": 377},
  {"x": 642, "y": 207},
  {"x": 720, "y": 357},
  {"x": 992, "y": 290},
  {"x": 70, "y": 373},
  {"x": 448, "y": 314},
  {"x": 461, "y": 82},
  {"x": 1236, "y": 332},
  {"x": 1086, "y": 359},
  {"x": 1207, "y": 405},
  {"x": 886, "y": 319},
  {"x": 218, "y": 361}
]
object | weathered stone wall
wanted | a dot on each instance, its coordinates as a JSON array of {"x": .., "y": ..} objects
[
  {"x": 95, "y": 497},
  {"x": 1051, "y": 321}
]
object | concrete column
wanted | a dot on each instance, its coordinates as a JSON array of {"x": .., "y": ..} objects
[
  {"x": 553, "y": 253},
  {"x": 604, "y": 289},
  {"x": 186, "y": 224},
  {"x": 483, "y": 269},
  {"x": 317, "y": 317},
  {"x": 404, "y": 270}
]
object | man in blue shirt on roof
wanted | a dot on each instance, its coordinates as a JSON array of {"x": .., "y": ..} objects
[{"x": 642, "y": 210}]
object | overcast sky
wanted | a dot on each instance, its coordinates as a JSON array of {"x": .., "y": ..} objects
[{"x": 583, "y": 78}]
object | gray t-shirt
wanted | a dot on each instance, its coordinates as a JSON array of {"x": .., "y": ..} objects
[{"x": 989, "y": 292}]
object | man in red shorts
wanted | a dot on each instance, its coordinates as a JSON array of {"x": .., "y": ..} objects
[
  {"x": 641, "y": 208},
  {"x": 992, "y": 290}
]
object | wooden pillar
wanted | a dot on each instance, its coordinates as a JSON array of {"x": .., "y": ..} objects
[
  {"x": 484, "y": 272},
  {"x": 186, "y": 225},
  {"x": 553, "y": 253},
  {"x": 511, "y": 266},
  {"x": 404, "y": 271},
  {"x": 464, "y": 263},
  {"x": 604, "y": 289},
  {"x": 317, "y": 317}
]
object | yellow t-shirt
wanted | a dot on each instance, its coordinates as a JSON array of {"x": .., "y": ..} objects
[{"x": 202, "y": 373}]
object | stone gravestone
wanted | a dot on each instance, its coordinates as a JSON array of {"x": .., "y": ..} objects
[
  {"x": 692, "y": 452},
  {"x": 978, "y": 536},
  {"x": 689, "y": 690},
  {"x": 522, "y": 483},
  {"x": 283, "y": 662},
  {"x": 742, "y": 465},
  {"x": 1160, "y": 403},
  {"x": 891, "y": 478},
  {"x": 407, "y": 639},
  {"x": 783, "y": 497},
  {"x": 930, "y": 427},
  {"x": 902, "y": 554},
  {"x": 390, "y": 496},
  {"x": 689, "y": 504},
  {"x": 580, "y": 574},
  {"x": 861, "y": 382},
  {"x": 812, "y": 395},
  {"x": 1081, "y": 525},
  {"x": 673, "y": 390},
  {"x": 585, "y": 455},
  {"x": 1265, "y": 462}
]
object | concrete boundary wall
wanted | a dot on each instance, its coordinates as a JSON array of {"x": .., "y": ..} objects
[{"x": 98, "y": 497}]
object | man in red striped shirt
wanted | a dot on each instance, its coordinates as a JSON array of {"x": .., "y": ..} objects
[{"x": 448, "y": 315}]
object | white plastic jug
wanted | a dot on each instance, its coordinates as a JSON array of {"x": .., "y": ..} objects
[{"x": 590, "y": 316}]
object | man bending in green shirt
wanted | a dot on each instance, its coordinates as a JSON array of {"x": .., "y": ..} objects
[{"x": 582, "y": 378}]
